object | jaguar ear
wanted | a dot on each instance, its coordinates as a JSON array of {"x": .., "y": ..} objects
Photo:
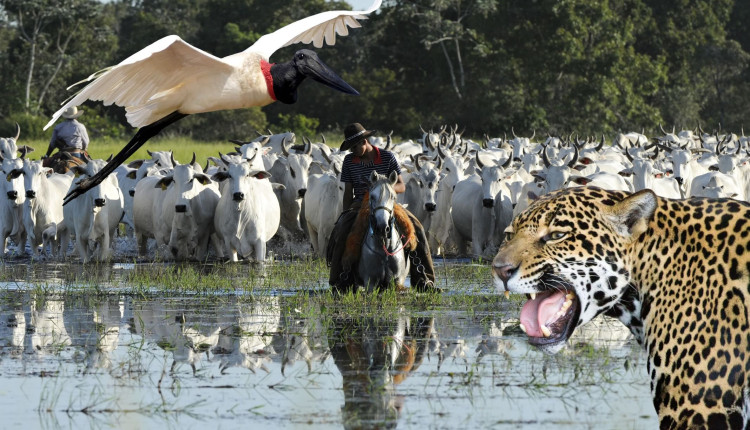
[{"x": 630, "y": 216}]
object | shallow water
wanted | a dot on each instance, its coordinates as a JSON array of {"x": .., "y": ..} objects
[{"x": 108, "y": 357}]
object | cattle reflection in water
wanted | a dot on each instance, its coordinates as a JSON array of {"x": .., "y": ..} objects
[{"x": 374, "y": 356}]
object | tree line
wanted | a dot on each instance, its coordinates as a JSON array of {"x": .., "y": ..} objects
[{"x": 490, "y": 66}]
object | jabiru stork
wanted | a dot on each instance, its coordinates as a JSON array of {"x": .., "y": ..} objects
[{"x": 171, "y": 79}]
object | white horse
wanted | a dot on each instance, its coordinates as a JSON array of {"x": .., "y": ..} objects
[{"x": 383, "y": 261}]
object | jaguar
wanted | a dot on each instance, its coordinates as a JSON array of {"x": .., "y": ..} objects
[{"x": 675, "y": 272}]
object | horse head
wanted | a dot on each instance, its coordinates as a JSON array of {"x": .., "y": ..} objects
[{"x": 382, "y": 199}]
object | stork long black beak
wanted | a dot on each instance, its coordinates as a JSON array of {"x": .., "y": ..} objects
[{"x": 310, "y": 65}]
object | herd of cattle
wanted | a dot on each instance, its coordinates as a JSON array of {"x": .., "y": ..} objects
[{"x": 462, "y": 191}]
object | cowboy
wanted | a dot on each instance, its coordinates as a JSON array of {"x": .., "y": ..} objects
[
  {"x": 363, "y": 159},
  {"x": 69, "y": 136}
]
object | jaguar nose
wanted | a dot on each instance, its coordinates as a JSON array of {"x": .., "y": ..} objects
[{"x": 504, "y": 271}]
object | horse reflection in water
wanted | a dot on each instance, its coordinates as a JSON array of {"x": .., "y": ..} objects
[
  {"x": 383, "y": 260},
  {"x": 374, "y": 356}
]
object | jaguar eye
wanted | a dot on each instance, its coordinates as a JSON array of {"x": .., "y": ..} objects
[
  {"x": 508, "y": 234},
  {"x": 554, "y": 236}
]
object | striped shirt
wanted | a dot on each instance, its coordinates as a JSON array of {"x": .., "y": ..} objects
[{"x": 358, "y": 173}]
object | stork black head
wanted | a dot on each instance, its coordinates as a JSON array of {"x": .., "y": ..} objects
[{"x": 287, "y": 77}]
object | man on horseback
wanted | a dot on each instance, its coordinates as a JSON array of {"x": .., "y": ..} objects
[
  {"x": 363, "y": 159},
  {"x": 71, "y": 139}
]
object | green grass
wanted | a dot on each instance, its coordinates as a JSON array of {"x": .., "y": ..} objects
[{"x": 183, "y": 148}]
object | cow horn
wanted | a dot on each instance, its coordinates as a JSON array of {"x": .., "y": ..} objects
[
  {"x": 250, "y": 160},
  {"x": 627, "y": 154},
  {"x": 533, "y": 133},
  {"x": 440, "y": 151},
  {"x": 110, "y": 158},
  {"x": 284, "y": 149},
  {"x": 507, "y": 162},
  {"x": 545, "y": 159},
  {"x": 269, "y": 131},
  {"x": 665, "y": 147},
  {"x": 513, "y": 131},
  {"x": 479, "y": 162},
  {"x": 574, "y": 160},
  {"x": 326, "y": 157},
  {"x": 416, "y": 163},
  {"x": 224, "y": 158},
  {"x": 265, "y": 141},
  {"x": 149, "y": 153},
  {"x": 601, "y": 144},
  {"x": 388, "y": 141},
  {"x": 171, "y": 156},
  {"x": 662, "y": 129},
  {"x": 323, "y": 137},
  {"x": 420, "y": 127},
  {"x": 192, "y": 161},
  {"x": 18, "y": 132},
  {"x": 309, "y": 145}
]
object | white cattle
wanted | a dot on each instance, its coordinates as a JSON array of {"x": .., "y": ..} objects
[
  {"x": 555, "y": 176},
  {"x": 248, "y": 213},
  {"x": 685, "y": 166},
  {"x": 129, "y": 176},
  {"x": 93, "y": 217},
  {"x": 276, "y": 142},
  {"x": 147, "y": 207},
  {"x": 441, "y": 234},
  {"x": 605, "y": 180},
  {"x": 716, "y": 184},
  {"x": 645, "y": 175},
  {"x": 186, "y": 222},
  {"x": 292, "y": 172},
  {"x": 323, "y": 205},
  {"x": 8, "y": 146},
  {"x": 421, "y": 186},
  {"x": 44, "y": 198},
  {"x": 472, "y": 220},
  {"x": 12, "y": 197}
]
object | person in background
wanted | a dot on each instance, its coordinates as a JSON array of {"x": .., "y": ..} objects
[
  {"x": 363, "y": 159},
  {"x": 70, "y": 137}
]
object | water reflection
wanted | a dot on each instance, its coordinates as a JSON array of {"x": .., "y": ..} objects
[
  {"x": 374, "y": 356},
  {"x": 281, "y": 356}
]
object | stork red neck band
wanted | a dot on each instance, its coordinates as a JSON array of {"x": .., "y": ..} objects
[{"x": 265, "y": 67}]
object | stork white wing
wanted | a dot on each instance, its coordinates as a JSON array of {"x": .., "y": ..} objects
[
  {"x": 157, "y": 68},
  {"x": 314, "y": 29}
]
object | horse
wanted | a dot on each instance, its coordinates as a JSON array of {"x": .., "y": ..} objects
[
  {"x": 64, "y": 160},
  {"x": 382, "y": 261}
]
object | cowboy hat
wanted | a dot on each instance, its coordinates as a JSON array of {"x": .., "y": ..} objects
[
  {"x": 353, "y": 134},
  {"x": 72, "y": 113}
]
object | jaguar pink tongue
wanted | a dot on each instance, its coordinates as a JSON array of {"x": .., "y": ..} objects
[{"x": 540, "y": 311}]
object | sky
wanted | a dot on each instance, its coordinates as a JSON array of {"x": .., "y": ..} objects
[{"x": 359, "y": 4}]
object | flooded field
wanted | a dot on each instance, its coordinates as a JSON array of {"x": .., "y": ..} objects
[{"x": 145, "y": 345}]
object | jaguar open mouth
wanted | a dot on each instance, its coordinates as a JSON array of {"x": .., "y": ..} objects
[{"x": 549, "y": 317}]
